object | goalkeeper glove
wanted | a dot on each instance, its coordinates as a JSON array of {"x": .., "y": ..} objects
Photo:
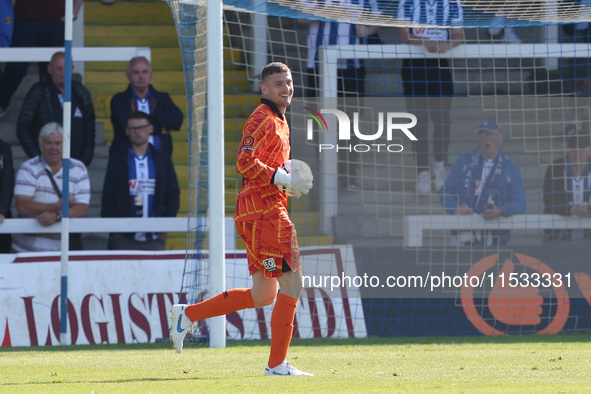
[{"x": 282, "y": 179}]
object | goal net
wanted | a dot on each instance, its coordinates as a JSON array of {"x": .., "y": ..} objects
[{"x": 441, "y": 137}]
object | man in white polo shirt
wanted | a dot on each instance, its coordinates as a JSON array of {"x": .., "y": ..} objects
[{"x": 37, "y": 191}]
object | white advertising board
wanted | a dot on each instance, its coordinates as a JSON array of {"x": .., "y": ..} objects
[{"x": 124, "y": 297}]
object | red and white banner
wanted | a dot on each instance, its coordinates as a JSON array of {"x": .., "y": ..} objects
[{"x": 124, "y": 297}]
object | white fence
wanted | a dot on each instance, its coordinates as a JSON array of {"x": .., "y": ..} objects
[
  {"x": 415, "y": 225},
  {"x": 119, "y": 225},
  {"x": 79, "y": 54},
  {"x": 99, "y": 225}
]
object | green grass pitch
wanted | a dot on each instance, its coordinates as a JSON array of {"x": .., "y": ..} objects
[{"x": 559, "y": 363}]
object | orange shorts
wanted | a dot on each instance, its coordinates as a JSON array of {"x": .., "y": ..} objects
[{"x": 271, "y": 245}]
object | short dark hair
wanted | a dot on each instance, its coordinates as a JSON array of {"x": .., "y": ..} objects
[
  {"x": 138, "y": 115},
  {"x": 274, "y": 68}
]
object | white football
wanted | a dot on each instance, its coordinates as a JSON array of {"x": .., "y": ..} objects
[
  {"x": 301, "y": 176},
  {"x": 286, "y": 166}
]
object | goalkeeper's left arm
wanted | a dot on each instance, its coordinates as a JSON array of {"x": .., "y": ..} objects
[{"x": 248, "y": 160}]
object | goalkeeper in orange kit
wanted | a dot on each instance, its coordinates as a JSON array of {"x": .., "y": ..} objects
[{"x": 263, "y": 223}]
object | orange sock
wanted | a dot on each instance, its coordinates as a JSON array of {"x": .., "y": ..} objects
[
  {"x": 221, "y": 304},
  {"x": 281, "y": 328}
]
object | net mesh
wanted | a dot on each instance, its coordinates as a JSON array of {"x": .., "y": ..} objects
[
  {"x": 476, "y": 13},
  {"x": 192, "y": 32}
]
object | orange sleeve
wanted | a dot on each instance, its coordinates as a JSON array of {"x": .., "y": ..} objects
[
  {"x": 264, "y": 147},
  {"x": 256, "y": 159}
]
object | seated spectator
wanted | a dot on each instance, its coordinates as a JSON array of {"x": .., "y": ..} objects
[
  {"x": 38, "y": 192},
  {"x": 6, "y": 23},
  {"x": 44, "y": 103},
  {"x": 140, "y": 182},
  {"x": 567, "y": 184},
  {"x": 6, "y": 191},
  {"x": 484, "y": 182},
  {"x": 140, "y": 95}
]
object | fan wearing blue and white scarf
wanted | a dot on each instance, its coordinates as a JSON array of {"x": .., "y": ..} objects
[
  {"x": 142, "y": 179},
  {"x": 485, "y": 182},
  {"x": 479, "y": 193}
]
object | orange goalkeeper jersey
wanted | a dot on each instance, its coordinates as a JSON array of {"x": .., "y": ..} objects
[{"x": 264, "y": 147}]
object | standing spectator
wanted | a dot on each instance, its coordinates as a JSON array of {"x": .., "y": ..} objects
[
  {"x": 430, "y": 81},
  {"x": 37, "y": 23},
  {"x": 321, "y": 34},
  {"x": 38, "y": 193},
  {"x": 567, "y": 183},
  {"x": 263, "y": 222},
  {"x": 6, "y": 23},
  {"x": 141, "y": 96},
  {"x": 44, "y": 103},
  {"x": 6, "y": 191},
  {"x": 484, "y": 182},
  {"x": 351, "y": 72},
  {"x": 576, "y": 72},
  {"x": 140, "y": 182}
]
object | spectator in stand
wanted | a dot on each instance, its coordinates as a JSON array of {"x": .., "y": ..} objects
[
  {"x": 321, "y": 34},
  {"x": 6, "y": 191},
  {"x": 37, "y": 23},
  {"x": 141, "y": 96},
  {"x": 140, "y": 182},
  {"x": 576, "y": 72},
  {"x": 6, "y": 23},
  {"x": 44, "y": 104},
  {"x": 428, "y": 83},
  {"x": 351, "y": 72},
  {"x": 484, "y": 182},
  {"x": 567, "y": 184},
  {"x": 38, "y": 193}
]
